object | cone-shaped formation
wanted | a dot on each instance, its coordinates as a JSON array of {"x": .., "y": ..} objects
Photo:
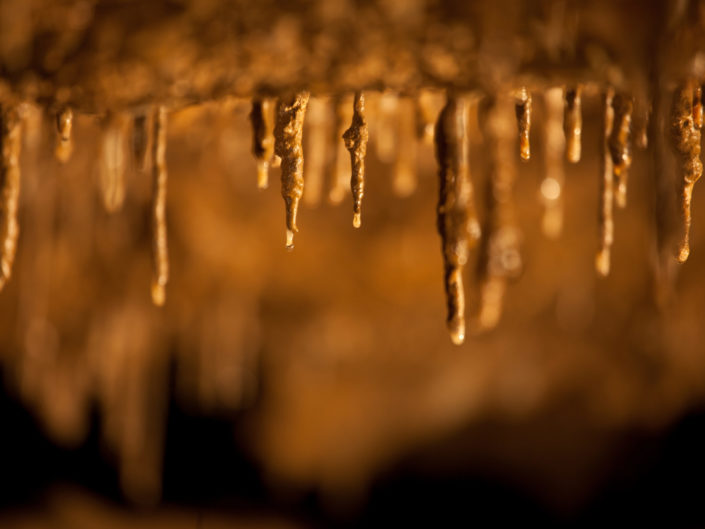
[
  {"x": 160, "y": 250},
  {"x": 356, "y": 142},
  {"x": 288, "y": 135},
  {"x": 457, "y": 220},
  {"x": 554, "y": 147},
  {"x": 262, "y": 119},
  {"x": 404, "y": 172},
  {"x": 620, "y": 145},
  {"x": 424, "y": 116},
  {"x": 500, "y": 257},
  {"x": 339, "y": 181},
  {"x": 573, "y": 123},
  {"x": 605, "y": 219},
  {"x": 316, "y": 138},
  {"x": 685, "y": 136},
  {"x": 385, "y": 138},
  {"x": 64, "y": 143},
  {"x": 523, "y": 112},
  {"x": 113, "y": 161},
  {"x": 142, "y": 125},
  {"x": 10, "y": 143}
]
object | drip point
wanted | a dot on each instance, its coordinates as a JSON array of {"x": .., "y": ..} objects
[
  {"x": 357, "y": 220},
  {"x": 158, "y": 294},
  {"x": 289, "y": 240}
]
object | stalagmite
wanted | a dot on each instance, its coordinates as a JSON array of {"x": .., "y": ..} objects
[
  {"x": 685, "y": 139},
  {"x": 523, "y": 112},
  {"x": 10, "y": 144},
  {"x": 113, "y": 162},
  {"x": 339, "y": 173},
  {"x": 385, "y": 138},
  {"x": 404, "y": 172},
  {"x": 573, "y": 123},
  {"x": 554, "y": 146},
  {"x": 457, "y": 220},
  {"x": 620, "y": 145},
  {"x": 316, "y": 128},
  {"x": 160, "y": 251},
  {"x": 500, "y": 257},
  {"x": 356, "y": 142},
  {"x": 605, "y": 220},
  {"x": 64, "y": 143},
  {"x": 262, "y": 119},
  {"x": 288, "y": 134},
  {"x": 142, "y": 125}
]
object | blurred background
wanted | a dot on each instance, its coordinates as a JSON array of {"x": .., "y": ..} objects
[{"x": 318, "y": 387}]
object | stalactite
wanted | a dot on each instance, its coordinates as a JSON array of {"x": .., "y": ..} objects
[
  {"x": 10, "y": 144},
  {"x": 605, "y": 211},
  {"x": 316, "y": 128},
  {"x": 500, "y": 256},
  {"x": 554, "y": 147},
  {"x": 641, "y": 113},
  {"x": 573, "y": 123},
  {"x": 262, "y": 119},
  {"x": 356, "y": 142},
  {"x": 620, "y": 145},
  {"x": 457, "y": 220},
  {"x": 404, "y": 172},
  {"x": 288, "y": 134},
  {"x": 423, "y": 114},
  {"x": 142, "y": 124},
  {"x": 64, "y": 143},
  {"x": 385, "y": 138},
  {"x": 523, "y": 113},
  {"x": 160, "y": 250},
  {"x": 685, "y": 136},
  {"x": 339, "y": 173},
  {"x": 113, "y": 162}
]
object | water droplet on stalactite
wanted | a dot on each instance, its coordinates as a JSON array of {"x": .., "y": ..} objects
[
  {"x": 64, "y": 143},
  {"x": 404, "y": 172},
  {"x": 523, "y": 113},
  {"x": 262, "y": 119},
  {"x": 160, "y": 250},
  {"x": 288, "y": 136},
  {"x": 356, "y": 142},
  {"x": 424, "y": 116},
  {"x": 500, "y": 256},
  {"x": 573, "y": 123},
  {"x": 457, "y": 221},
  {"x": 620, "y": 145},
  {"x": 386, "y": 126},
  {"x": 339, "y": 181},
  {"x": 605, "y": 211},
  {"x": 685, "y": 136},
  {"x": 113, "y": 160},
  {"x": 142, "y": 125},
  {"x": 315, "y": 140},
  {"x": 10, "y": 145},
  {"x": 554, "y": 146}
]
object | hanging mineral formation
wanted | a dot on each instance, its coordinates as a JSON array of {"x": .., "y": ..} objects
[
  {"x": 288, "y": 134},
  {"x": 160, "y": 251},
  {"x": 262, "y": 118},
  {"x": 573, "y": 123},
  {"x": 315, "y": 151},
  {"x": 404, "y": 172},
  {"x": 356, "y": 142},
  {"x": 424, "y": 116},
  {"x": 620, "y": 145},
  {"x": 113, "y": 158},
  {"x": 685, "y": 136},
  {"x": 64, "y": 144},
  {"x": 523, "y": 112},
  {"x": 142, "y": 124},
  {"x": 605, "y": 211},
  {"x": 385, "y": 137},
  {"x": 10, "y": 143},
  {"x": 457, "y": 221},
  {"x": 339, "y": 181},
  {"x": 554, "y": 146}
]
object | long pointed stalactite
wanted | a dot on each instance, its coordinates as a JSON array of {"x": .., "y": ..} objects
[
  {"x": 523, "y": 111},
  {"x": 262, "y": 119},
  {"x": 573, "y": 123},
  {"x": 64, "y": 142},
  {"x": 10, "y": 144},
  {"x": 554, "y": 176},
  {"x": 142, "y": 125},
  {"x": 339, "y": 172},
  {"x": 315, "y": 140},
  {"x": 356, "y": 142},
  {"x": 500, "y": 257},
  {"x": 606, "y": 208},
  {"x": 404, "y": 172},
  {"x": 620, "y": 145},
  {"x": 288, "y": 137},
  {"x": 457, "y": 220},
  {"x": 685, "y": 136},
  {"x": 113, "y": 162},
  {"x": 160, "y": 250}
]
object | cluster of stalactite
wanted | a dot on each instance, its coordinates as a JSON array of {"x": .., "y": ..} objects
[{"x": 339, "y": 123}]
